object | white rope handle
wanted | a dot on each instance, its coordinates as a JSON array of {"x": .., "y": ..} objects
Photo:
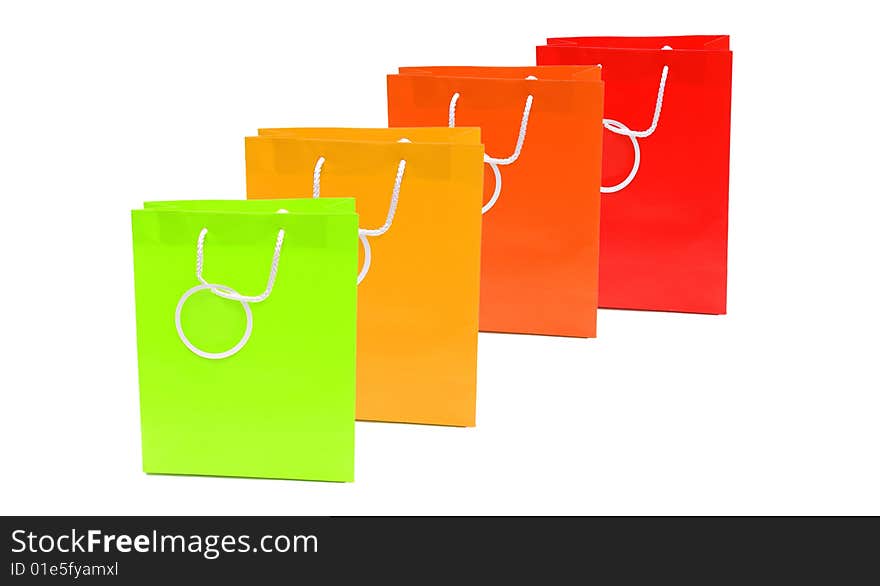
[
  {"x": 227, "y": 293},
  {"x": 494, "y": 162},
  {"x": 270, "y": 282},
  {"x": 364, "y": 232},
  {"x": 622, "y": 129}
]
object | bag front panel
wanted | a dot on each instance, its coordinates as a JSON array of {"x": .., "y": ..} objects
[
  {"x": 418, "y": 304},
  {"x": 664, "y": 236},
  {"x": 283, "y": 406},
  {"x": 540, "y": 240}
]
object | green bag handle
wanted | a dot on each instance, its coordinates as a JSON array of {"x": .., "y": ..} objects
[
  {"x": 227, "y": 293},
  {"x": 363, "y": 232}
]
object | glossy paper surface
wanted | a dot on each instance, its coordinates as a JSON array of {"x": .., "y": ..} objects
[
  {"x": 418, "y": 305},
  {"x": 541, "y": 239},
  {"x": 663, "y": 237},
  {"x": 283, "y": 406}
]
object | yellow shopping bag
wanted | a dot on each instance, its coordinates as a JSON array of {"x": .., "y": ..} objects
[{"x": 419, "y": 195}]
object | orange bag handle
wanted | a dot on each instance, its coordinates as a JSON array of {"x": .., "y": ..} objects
[
  {"x": 494, "y": 162},
  {"x": 364, "y": 232}
]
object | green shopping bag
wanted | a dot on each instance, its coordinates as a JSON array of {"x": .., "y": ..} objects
[{"x": 246, "y": 334}]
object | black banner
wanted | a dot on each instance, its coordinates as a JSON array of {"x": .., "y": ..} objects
[{"x": 132, "y": 550}]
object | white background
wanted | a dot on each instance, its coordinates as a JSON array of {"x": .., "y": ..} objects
[{"x": 773, "y": 409}]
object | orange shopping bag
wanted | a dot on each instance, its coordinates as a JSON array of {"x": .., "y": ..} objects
[
  {"x": 418, "y": 194},
  {"x": 542, "y": 127}
]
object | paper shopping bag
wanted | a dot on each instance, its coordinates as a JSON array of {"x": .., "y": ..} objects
[
  {"x": 542, "y": 127},
  {"x": 419, "y": 206},
  {"x": 246, "y": 333},
  {"x": 664, "y": 204}
]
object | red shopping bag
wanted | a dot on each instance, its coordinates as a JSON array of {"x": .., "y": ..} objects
[{"x": 663, "y": 236}]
